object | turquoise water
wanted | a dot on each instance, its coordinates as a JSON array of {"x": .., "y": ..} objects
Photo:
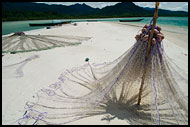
[
  {"x": 170, "y": 21},
  {"x": 17, "y": 26}
]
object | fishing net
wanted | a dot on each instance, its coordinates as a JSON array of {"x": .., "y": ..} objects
[
  {"x": 113, "y": 88},
  {"x": 15, "y": 70},
  {"x": 20, "y": 42}
]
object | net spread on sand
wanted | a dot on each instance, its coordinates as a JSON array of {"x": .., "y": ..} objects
[
  {"x": 112, "y": 88},
  {"x": 20, "y": 42},
  {"x": 16, "y": 70}
]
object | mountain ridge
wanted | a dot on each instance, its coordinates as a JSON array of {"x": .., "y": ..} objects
[{"x": 12, "y": 11}]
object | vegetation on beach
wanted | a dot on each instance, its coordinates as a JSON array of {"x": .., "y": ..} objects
[{"x": 15, "y": 11}]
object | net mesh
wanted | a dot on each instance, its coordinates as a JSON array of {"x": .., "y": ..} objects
[
  {"x": 113, "y": 88},
  {"x": 16, "y": 70},
  {"x": 26, "y": 43}
]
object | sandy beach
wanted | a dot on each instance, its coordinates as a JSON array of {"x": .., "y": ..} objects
[{"x": 108, "y": 41}]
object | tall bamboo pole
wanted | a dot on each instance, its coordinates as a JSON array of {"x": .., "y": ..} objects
[{"x": 148, "y": 50}]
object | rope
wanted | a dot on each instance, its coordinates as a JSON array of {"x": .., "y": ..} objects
[{"x": 153, "y": 78}]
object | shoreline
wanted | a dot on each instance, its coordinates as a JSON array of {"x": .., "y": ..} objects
[
  {"x": 88, "y": 18},
  {"x": 175, "y": 34},
  {"x": 24, "y": 24}
]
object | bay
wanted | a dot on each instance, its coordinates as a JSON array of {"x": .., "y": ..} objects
[{"x": 18, "y": 26}]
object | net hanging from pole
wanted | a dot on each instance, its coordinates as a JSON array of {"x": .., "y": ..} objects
[{"x": 112, "y": 88}]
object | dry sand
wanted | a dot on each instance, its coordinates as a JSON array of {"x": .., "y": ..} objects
[{"x": 108, "y": 41}]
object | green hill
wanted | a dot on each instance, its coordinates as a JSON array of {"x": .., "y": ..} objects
[{"x": 13, "y": 11}]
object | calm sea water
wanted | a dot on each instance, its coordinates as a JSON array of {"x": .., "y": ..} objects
[{"x": 17, "y": 26}]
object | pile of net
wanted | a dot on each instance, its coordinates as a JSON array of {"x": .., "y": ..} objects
[
  {"x": 20, "y": 42},
  {"x": 112, "y": 88}
]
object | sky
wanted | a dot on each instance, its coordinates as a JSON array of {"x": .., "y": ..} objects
[{"x": 174, "y": 6}]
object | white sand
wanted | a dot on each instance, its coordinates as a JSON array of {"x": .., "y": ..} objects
[{"x": 108, "y": 42}]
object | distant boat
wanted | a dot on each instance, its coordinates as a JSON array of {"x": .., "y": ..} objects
[
  {"x": 92, "y": 20},
  {"x": 131, "y": 20},
  {"x": 50, "y": 24}
]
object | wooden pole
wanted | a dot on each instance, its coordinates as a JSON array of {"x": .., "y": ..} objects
[
  {"x": 148, "y": 50},
  {"x": 152, "y": 30}
]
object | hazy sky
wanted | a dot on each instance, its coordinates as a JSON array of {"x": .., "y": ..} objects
[{"x": 175, "y": 6}]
